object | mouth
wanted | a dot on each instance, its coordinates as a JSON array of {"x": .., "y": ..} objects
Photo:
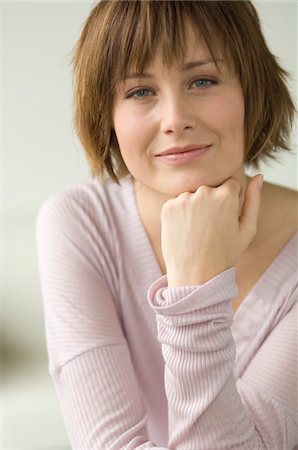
[{"x": 183, "y": 155}]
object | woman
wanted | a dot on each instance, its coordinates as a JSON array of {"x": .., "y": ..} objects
[{"x": 170, "y": 287}]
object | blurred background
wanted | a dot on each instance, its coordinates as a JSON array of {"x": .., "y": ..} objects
[{"x": 41, "y": 155}]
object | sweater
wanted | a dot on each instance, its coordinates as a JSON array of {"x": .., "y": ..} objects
[{"x": 138, "y": 365}]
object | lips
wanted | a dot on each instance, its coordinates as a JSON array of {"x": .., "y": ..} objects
[
  {"x": 185, "y": 149},
  {"x": 183, "y": 155}
]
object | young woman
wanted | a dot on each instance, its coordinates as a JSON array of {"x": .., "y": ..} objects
[{"x": 169, "y": 279}]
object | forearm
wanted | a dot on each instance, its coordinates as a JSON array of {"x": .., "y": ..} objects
[{"x": 205, "y": 409}]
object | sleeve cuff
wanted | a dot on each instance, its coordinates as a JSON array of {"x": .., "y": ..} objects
[{"x": 184, "y": 299}]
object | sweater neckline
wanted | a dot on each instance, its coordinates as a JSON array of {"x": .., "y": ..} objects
[
  {"x": 265, "y": 305},
  {"x": 279, "y": 269}
]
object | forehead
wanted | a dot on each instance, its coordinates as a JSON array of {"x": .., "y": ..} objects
[{"x": 194, "y": 52}]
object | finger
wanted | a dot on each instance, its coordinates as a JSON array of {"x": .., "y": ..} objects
[
  {"x": 251, "y": 205},
  {"x": 232, "y": 185}
]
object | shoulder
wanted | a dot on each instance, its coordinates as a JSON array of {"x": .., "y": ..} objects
[
  {"x": 277, "y": 225},
  {"x": 282, "y": 192},
  {"x": 281, "y": 207},
  {"x": 79, "y": 227},
  {"x": 88, "y": 203},
  {"x": 278, "y": 193}
]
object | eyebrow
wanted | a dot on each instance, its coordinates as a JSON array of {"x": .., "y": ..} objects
[{"x": 188, "y": 66}]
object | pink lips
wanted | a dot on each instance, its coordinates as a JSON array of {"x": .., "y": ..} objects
[{"x": 183, "y": 154}]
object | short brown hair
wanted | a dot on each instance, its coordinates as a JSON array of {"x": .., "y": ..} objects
[{"x": 122, "y": 34}]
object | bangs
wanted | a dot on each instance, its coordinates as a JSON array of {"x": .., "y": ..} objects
[{"x": 143, "y": 27}]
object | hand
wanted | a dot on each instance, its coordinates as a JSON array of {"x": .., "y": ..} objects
[{"x": 202, "y": 233}]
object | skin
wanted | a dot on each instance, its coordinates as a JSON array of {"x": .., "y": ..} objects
[
  {"x": 175, "y": 107},
  {"x": 201, "y": 216}
]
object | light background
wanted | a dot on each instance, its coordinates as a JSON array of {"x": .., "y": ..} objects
[{"x": 41, "y": 155}]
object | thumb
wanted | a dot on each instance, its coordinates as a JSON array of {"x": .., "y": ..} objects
[{"x": 251, "y": 206}]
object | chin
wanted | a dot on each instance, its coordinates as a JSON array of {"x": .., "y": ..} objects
[{"x": 177, "y": 188}]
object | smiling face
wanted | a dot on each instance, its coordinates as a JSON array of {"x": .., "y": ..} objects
[{"x": 196, "y": 105}]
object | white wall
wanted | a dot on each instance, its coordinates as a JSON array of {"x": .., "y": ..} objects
[{"x": 40, "y": 155}]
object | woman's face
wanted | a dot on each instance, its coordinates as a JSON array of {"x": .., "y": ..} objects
[{"x": 195, "y": 112}]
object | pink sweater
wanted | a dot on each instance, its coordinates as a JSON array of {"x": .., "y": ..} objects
[{"x": 137, "y": 365}]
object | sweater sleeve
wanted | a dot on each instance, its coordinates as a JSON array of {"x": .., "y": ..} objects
[
  {"x": 89, "y": 359},
  {"x": 207, "y": 408}
]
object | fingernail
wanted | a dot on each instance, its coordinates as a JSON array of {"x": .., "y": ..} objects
[{"x": 261, "y": 180}]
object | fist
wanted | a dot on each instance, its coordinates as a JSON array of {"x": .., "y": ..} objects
[{"x": 202, "y": 233}]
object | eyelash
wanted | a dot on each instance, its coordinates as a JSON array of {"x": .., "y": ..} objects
[
  {"x": 136, "y": 91},
  {"x": 211, "y": 81}
]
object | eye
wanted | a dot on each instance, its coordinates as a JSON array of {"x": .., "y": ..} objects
[
  {"x": 203, "y": 83},
  {"x": 140, "y": 93}
]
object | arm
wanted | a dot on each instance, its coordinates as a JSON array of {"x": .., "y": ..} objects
[
  {"x": 207, "y": 408},
  {"x": 202, "y": 238},
  {"x": 89, "y": 359}
]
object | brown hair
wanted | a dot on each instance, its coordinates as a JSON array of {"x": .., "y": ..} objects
[{"x": 119, "y": 35}]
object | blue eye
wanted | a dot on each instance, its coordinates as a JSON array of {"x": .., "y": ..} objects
[
  {"x": 140, "y": 93},
  {"x": 203, "y": 83}
]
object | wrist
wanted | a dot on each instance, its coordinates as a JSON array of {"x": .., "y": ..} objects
[{"x": 179, "y": 280}]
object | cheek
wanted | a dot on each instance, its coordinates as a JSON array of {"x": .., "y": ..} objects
[
  {"x": 233, "y": 115},
  {"x": 132, "y": 134},
  {"x": 228, "y": 118},
  {"x": 129, "y": 129}
]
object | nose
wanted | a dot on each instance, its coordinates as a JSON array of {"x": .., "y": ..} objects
[{"x": 176, "y": 115}]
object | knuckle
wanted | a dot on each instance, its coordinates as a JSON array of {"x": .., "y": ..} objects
[
  {"x": 184, "y": 196},
  {"x": 202, "y": 191},
  {"x": 228, "y": 190},
  {"x": 224, "y": 195},
  {"x": 228, "y": 194},
  {"x": 166, "y": 208},
  {"x": 232, "y": 186}
]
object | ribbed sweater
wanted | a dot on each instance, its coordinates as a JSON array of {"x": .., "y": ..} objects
[{"x": 139, "y": 365}]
